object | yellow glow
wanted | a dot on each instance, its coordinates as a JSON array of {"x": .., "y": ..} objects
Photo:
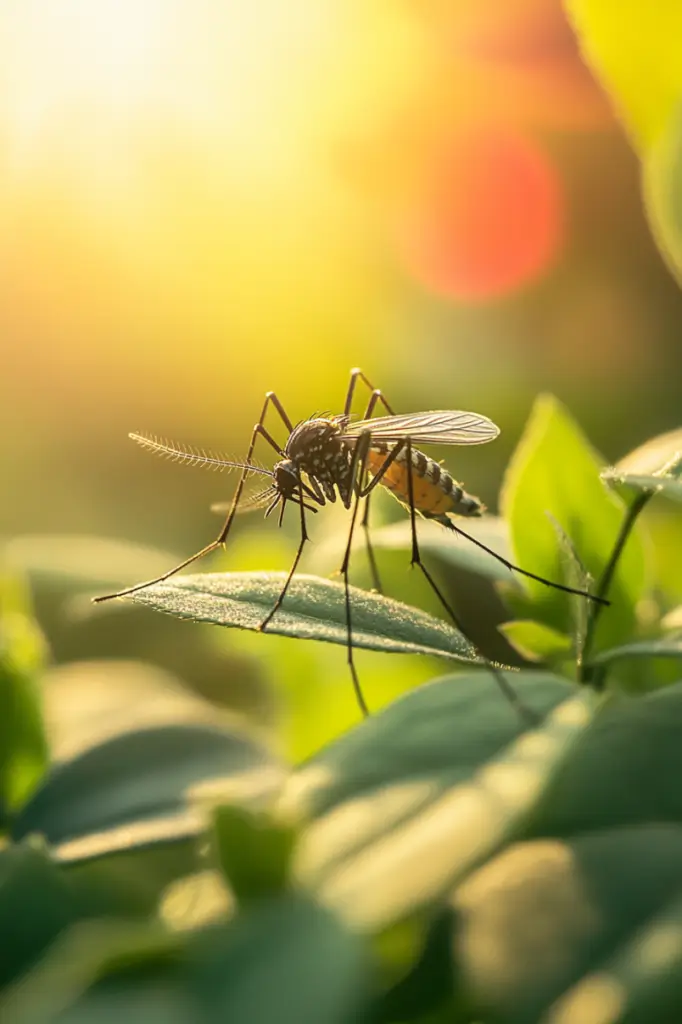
[
  {"x": 176, "y": 172},
  {"x": 251, "y": 73},
  {"x": 78, "y": 55}
]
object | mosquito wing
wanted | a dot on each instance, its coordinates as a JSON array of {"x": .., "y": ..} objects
[
  {"x": 439, "y": 427},
  {"x": 248, "y": 503}
]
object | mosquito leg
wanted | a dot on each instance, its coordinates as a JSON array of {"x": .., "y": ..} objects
[
  {"x": 359, "y": 459},
  {"x": 282, "y": 594},
  {"x": 374, "y": 569},
  {"x": 258, "y": 430},
  {"x": 531, "y": 575},
  {"x": 376, "y": 396},
  {"x": 505, "y": 686},
  {"x": 354, "y": 374}
]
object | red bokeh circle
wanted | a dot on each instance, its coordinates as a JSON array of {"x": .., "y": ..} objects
[{"x": 485, "y": 217}]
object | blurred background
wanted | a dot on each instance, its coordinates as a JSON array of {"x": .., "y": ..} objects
[{"x": 203, "y": 201}]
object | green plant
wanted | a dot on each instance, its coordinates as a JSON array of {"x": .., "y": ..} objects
[
  {"x": 437, "y": 862},
  {"x": 634, "y": 48}
]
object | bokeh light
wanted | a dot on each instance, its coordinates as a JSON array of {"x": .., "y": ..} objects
[{"x": 490, "y": 217}]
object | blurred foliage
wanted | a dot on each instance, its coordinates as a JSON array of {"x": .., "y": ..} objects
[
  {"x": 23, "y": 748},
  {"x": 442, "y": 860}
]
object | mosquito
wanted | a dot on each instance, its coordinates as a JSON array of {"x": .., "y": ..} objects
[{"x": 330, "y": 456}]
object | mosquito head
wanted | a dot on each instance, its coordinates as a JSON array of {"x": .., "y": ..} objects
[
  {"x": 287, "y": 485},
  {"x": 286, "y": 479}
]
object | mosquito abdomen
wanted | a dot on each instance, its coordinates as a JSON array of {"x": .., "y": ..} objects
[{"x": 435, "y": 493}]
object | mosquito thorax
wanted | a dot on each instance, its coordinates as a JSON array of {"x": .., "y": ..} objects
[{"x": 317, "y": 448}]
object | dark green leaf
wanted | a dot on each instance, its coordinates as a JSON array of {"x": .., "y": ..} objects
[
  {"x": 135, "y": 787},
  {"x": 669, "y": 647},
  {"x": 536, "y": 642},
  {"x": 555, "y": 470},
  {"x": 23, "y": 748},
  {"x": 451, "y": 548},
  {"x": 640, "y": 983},
  {"x": 314, "y": 609},
  {"x": 624, "y": 771},
  {"x": 104, "y": 971},
  {"x": 414, "y": 797},
  {"x": 35, "y": 905},
  {"x": 110, "y": 879},
  {"x": 254, "y": 852},
  {"x": 539, "y": 916},
  {"x": 428, "y": 985},
  {"x": 287, "y": 960}
]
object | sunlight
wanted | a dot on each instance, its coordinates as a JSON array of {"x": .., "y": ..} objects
[
  {"x": 78, "y": 54},
  {"x": 256, "y": 76},
  {"x": 198, "y": 164}
]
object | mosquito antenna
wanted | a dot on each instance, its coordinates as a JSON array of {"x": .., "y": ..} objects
[
  {"x": 193, "y": 456},
  {"x": 530, "y": 575}
]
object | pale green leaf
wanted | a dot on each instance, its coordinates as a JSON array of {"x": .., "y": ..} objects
[
  {"x": 314, "y": 609},
  {"x": 535, "y": 641}
]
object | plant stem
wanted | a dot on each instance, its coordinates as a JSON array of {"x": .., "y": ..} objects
[{"x": 607, "y": 577}]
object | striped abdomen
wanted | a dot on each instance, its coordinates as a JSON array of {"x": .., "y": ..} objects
[{"x": 436, "y": 494}]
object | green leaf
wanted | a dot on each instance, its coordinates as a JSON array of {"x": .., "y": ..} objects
[
  {"x": 104, "y": 971},
  {"x": 254, "y": 852},
  {"x": 634, "y": 47},
  {"x": 314, "y": 609},
  {"x": 575, "y": 575},
  {"x": 666, "y": 486},
  {"x": 625, "y": 770},
  {"x": 536, "y": 642},
  {"x": 660, "y": 454},
  {"x": 424, "y": 992},
  {"x": 555, "y": 470},
  {"x": 23, "y": 747},
  {"x": 641, "y": 982},
  {"x": 539, "y": 916},
  {"x": 655, "y": 467},
  {"x": 85, "y": 560},
  {"x": 286, "y": 960},
  {"x": 451, "y": 548},
  {"x": 35, "y": 905},
  {"x": 665, "y": 648},
  {"x": 130, "y": 877},
  {"x": 413, "y": 798},
  {"x": 662, "y": 180},
  {"x": 135, "y": 787}
]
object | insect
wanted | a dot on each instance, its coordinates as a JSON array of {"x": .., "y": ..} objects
[{"x": 330, "y": 456}]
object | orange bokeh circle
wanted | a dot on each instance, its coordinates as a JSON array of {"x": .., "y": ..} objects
[{"x": 486, "y": 216}]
